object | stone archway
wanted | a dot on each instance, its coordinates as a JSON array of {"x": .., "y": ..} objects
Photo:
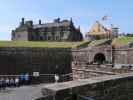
[{"x": 99, "y": 58}]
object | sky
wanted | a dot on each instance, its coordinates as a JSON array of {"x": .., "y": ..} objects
[{"x": 83, "y": 12}]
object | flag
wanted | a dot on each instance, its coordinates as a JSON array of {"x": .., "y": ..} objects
[{"x": 104, "y": 18}]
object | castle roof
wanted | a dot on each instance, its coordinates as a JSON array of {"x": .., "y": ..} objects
[
  {"x": 54, "y": 24},
  {"x": 98, "y": 29}
]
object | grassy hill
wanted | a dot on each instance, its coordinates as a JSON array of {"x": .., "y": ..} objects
[
  {"x": 117, "y": 42},
  {"x": 40, "y": 44},
  {"x": 97, "y": 42},
  {"x": 121, "y": 41}
]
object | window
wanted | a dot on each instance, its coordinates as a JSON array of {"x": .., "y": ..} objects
[
  {"x": 32, "y": 37},
  {"x": 57, "y": 37},
  {"x": 41, "y": 38},
  {"x": 49, "y": 37},
  {"x": 53, "y": 29}
]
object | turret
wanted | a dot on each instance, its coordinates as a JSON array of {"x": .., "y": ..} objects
[
  {"x": 115, "y": 30},
  {"x": 71, "y": 22}
]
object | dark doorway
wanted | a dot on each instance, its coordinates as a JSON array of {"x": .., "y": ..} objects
[{"x": 99, "y": 58}]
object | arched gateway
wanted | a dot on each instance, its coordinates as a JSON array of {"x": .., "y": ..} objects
[{"x": 99, "y": 58}]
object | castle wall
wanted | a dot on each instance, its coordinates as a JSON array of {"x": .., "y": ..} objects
[
  {"x": 22, "y": 35},
  {"x": 117, "y": 60},
  {"x": 123, "y": 56},
  {"x": 115, "y": 87},
  {"x": 83, "y": 64},
  {"x": 15, "y": 61},
  {"x": 87, "y": 54}
]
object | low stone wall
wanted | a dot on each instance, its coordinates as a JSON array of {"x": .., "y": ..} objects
[
  {"x": 84, "y": 71},
  {"x": 114, "y": 87},
  {"x": 123, "y": 57},
  {"x": 46, "y": 61}
]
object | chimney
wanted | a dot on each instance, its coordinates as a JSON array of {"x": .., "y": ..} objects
[
  {"x": 57, "y": 20},
  {"x": 40, "y": 22},
  {"x": 71, "y": 21},
  {"x": 22, "y": 21}
]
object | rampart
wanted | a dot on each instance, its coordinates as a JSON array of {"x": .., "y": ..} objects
[
  {"x": 46, "y": 61},
  {"x": 114, "y": 87}
]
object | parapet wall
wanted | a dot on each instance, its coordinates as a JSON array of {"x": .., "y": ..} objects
[{"x": 114, "y": 87}]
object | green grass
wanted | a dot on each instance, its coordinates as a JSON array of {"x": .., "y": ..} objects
[
  {"x": 97, "y": 42},
  {"x": 118, "y": 42},
  {"x": 40, "y": 44},
  {"x": 83, "y": 44}
]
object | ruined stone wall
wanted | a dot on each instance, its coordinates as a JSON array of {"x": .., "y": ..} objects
[{"x": 14, "y": 61}]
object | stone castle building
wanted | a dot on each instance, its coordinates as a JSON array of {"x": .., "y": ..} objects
[
  {"x": 98, "y": 31},
  {"x": 88, "y": 59},
  {"x": 56, "y": 31}
]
